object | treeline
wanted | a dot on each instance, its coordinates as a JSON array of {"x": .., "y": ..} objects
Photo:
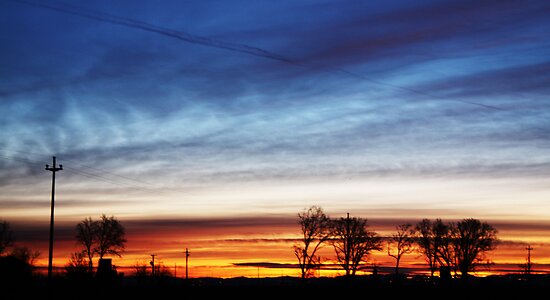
[
  {"x": 452, "y": 247},
  {"x": 105, "y": 236},
  {"x": 457, "y": 247}
]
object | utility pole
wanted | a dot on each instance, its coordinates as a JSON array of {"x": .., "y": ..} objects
[
  {"x": 53, "y": 169},
  {"x": 528, "y": 267},
  {"x": 186, "y": 263},
  {"x": 152, "y": 262},
  {"x": 348, "y": 245}
]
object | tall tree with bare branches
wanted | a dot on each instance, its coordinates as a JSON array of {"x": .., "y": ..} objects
[
  {"x": 444, "y": 245},
  {"x": 472, "y": 240},
  {"x": 401, "y": 243},
  {"x": 315, "y": 226},
  {"x": 101, "y": 237},
  {"x": 110, "y": 237},
  {"x": 433, "y": 243},
  {"x": 426, "y": 246},
  {"x": 86, "y": 235},
  {"x": 353, "y": 242},
  {"x": 6, "y": 236}
]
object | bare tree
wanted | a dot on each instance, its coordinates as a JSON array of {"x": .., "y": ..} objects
[
  {"x": 110, "y": 237},
  {"x": 434, "y": 243},
  {"x": 77, "y": 267},
  {"x": 141, "y": 269},
  {"x": 459, "y": 246},
  {"x": 102, "y": 237},
  {"x": 25, "y": 254},
  {"x": 86, "y": 234},
  {"x": 17, "y": 267},
  {"x": 161, "y": 270},
  {"x": 6, "y": 236},
  {"x": 472, "y": 239},
  {"x": 352, "y": 242},
  {"x": 403, "y": 240},
  {"x": 444, "y": 245},
  {"x": 426, "y": 243},
  {"x": 315, "y": 226}
]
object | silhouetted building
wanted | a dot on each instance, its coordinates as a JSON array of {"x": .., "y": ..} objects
[
  {"x": 445, "y": 274},
  {"x": 105, "y": 270}
]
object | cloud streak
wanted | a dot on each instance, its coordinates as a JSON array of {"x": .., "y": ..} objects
[{"x": 523, "y": 79}]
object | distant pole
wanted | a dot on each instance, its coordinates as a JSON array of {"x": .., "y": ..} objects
[
  {"x": 175, "y": 271},
  {"x": 53, "y": 169},
  {"x": 348, "y": 245},
  {"x": 186, "y": 263},
  {"x": 152, "y": 262},
  {"x": 529, "y": 248}
]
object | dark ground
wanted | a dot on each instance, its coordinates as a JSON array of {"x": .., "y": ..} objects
[{"x": 386, "y": 286}]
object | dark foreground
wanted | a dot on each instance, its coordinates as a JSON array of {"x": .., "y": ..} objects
[{"x": 509, "y": 286}]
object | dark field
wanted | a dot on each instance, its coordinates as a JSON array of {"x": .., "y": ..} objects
[{"x": 509, "y": 286}]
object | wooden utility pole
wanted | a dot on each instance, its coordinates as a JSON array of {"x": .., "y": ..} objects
[
  {"x": 186, "y": 264},
  {"x": 152, "y": 262},
  {"x": 528, "y": 267},
  {"x": 53, "y": 169}
]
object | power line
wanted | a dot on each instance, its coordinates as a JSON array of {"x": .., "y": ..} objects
[
  {"x": 127, "y": 182},
  {"x": 100, "y": 178},
  {"x": 86, "y": 174},
  {"x": 21, "y": 160},
  {"x": 109, "y": 179},
  {"x": 74, "y": 162}
]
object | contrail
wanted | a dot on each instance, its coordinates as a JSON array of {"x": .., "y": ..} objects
[
  {"x": 103, "y": 17},
  {"x": 200, "y": 40},
  {"x": 414, "y": 91}
]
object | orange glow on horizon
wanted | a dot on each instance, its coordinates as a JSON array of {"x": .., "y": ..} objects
[{"x": 215, "y": 252}]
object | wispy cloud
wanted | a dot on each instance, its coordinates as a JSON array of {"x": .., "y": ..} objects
[
  {"x": 205, "y": 223},
  {"x": 520, "y": 80}
]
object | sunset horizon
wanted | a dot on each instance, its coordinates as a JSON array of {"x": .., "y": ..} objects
[{"x": 249, "y": 246}]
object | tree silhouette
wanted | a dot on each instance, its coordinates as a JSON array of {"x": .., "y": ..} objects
[
  {"x": 459, "y": 246},
  {"x": 86, "y": 234},
  {"x": 25, "y": 254},
  {"x": 444, "y": 244},
  {"x": 315, "y": 226},
  {"x": 352, "y": 242},
  {"x": 427, "y": 243},
  {"x": 110, "y": 237},
  {"x": 6, "y": 237},
  {"x": 472, "y": 239},
  {"x": 434, "y": 243},
  {"x": 140, "y": 269},
  {"x": 16, "y": 269},
  {"x": 78, "y": 267},
  {"x": 403, "y": 240},
  {"x": 102, "y": 237}
]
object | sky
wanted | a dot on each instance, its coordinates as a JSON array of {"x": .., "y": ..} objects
[{"x": 210, "y": 124}]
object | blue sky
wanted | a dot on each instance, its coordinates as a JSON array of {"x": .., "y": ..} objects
[{"x": 265, "y": 107}]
